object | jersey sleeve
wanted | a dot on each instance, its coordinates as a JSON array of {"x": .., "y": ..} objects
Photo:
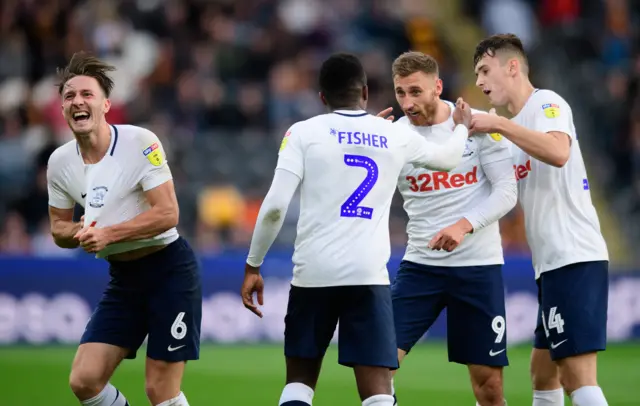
[
  {"x": 291, "y": 155},
  {"x": 58, "y": 196},
  {"x": 551, "y": 113},
  {"x": 494, "y": 148},
  {"x": 153, "y": 169},
  {"x": 445, "y": 157}
]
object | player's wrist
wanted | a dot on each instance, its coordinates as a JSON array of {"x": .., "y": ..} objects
[
  {"x": 465, "y": 225},
  {"x": 250, "y": 268}
]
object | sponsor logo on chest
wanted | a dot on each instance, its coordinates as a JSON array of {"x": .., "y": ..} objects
[{"x": 428, "y": 182}]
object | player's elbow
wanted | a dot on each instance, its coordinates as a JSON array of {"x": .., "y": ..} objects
[
  {"x": 64, "y": 242},
  {"x": 560, "y": 159},
  {"x": 273, "y": 214},
  {"x": 169, "y": 217}
]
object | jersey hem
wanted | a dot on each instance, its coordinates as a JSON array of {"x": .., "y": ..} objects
[
  {"x": 447, "y": 263},
  {"x": 561, "y": 264},
  {"x": 300, "y": 284}
]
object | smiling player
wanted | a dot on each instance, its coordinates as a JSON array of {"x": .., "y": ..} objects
[
  {"x": 454, "y": 255},
  {"x": 119, "y": 174},
  {"x": 570, "y": 255}
]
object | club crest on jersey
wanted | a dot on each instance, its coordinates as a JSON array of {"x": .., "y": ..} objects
[
  {"x": 469, "y": 148},
  {"x": 153, "y": 154},
  {"x": 97, "y": 196},
  {"x": 285, "y": 139},
  {"x": 551, "y": 110}
]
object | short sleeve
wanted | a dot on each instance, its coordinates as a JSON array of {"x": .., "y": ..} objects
[
  {"x": 551, "y": 113},
  {"x": 58, "y": 196},
  {"x": 494, "y": 148},
  {"x": 152, "y": 162},
  {"x": 291, "y": 155}
]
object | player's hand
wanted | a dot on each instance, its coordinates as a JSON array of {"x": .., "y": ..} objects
[
  {"x": 485, "y": 123},
  {"x": 253, "y": 283},
  {"x": 462, "y": 113},
  {"x": 93, "y": 239},
  {"x": 450, "y": 237},
  {"x": 384, "y": 113}
]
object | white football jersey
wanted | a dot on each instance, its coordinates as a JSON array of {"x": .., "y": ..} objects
[
  {"x": 112, "y": 190},
  {"x": 561, "y": 223},
  {"x": 434, "y": 200},
  {"x": 349, "y": 162}
]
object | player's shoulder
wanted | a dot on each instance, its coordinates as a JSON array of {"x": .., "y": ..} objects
[
  {"x": 404, "y": 120},
  {"x": 134, "y": 135},
  {"x": 63, "y": 154},
  {"x": 544, "y": 98}
]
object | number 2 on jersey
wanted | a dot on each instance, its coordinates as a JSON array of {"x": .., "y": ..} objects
[{"x": 351, "y": 208}]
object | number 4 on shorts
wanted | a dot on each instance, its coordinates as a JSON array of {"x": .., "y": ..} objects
[{"x": 555, "y": 321}]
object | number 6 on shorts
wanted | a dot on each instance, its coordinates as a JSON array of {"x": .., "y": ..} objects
[{"x": 179, "y": 328}]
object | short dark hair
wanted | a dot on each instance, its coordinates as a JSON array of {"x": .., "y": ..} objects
[
  {"x": 411, "y": 62},
  {"x": 341, "y": 80},
  {"x": 500, "y": 42},
  {"x": 84, "y": 64}
]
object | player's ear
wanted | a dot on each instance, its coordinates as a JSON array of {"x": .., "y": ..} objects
[
  {"x": 514, "y": 66},
  {"x": 439, "y": 87},
  {"x": 365, "y": 93},
  {"x": 322, "y": 99},
  {"x": 107, "y": 105}
]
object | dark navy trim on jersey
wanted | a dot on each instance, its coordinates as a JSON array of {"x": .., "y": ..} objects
[
  {"x": 352, "y": 115},
  {"x": 115, "y": 138},
  {"x": 113, "y": 146}
]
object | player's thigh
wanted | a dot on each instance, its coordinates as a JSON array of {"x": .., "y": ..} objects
[
  {"x": 574, "y": 302},
  {"x": 175, "y": 307},
  {"x": 93, "y": 366},
  {"x": 476, "y": 309},
  {"x": 120, "y": 318},
  {"x": 310, "y": 322},
  {"x": 418, "y": 295},
  {"x": 366, "y": 336}
]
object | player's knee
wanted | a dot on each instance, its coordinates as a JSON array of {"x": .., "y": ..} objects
[
  {"x": 163, "y": 380},
  {"x": 86, "y": 383},
  {"x": 545, "y": 375},
  {"x": 487, "y": 385},
  {"x": 578, "y": 371}
]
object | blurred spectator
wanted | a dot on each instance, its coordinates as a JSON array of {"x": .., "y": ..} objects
[{"x": 218, "y": 81}]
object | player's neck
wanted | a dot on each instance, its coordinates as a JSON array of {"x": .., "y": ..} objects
[
  {"x": 520, "y": 96},
  {"x": 442, "y": 114},
  {"x": 93, "y": 146}
]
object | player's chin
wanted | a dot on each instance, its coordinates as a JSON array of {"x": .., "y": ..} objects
[{"x": 80, "y": 127}]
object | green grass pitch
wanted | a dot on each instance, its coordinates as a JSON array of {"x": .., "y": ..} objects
[{"x": 253, "y": 375}]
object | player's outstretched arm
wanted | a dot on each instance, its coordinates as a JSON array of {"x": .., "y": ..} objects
[
  {"x": 271, "y": 215},
  {"x": 442, "y": 157},
  {"x": 550, "y": 147},
  {"x": 162, "y": 216},
  {"x": 63, "y": 228}
]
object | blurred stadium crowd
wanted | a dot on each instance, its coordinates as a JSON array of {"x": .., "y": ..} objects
[{"x": 220, "y": 81}]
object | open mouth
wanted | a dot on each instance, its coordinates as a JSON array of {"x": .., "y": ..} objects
[
  {"x": 412, "y": 113},
  {"x": 81, "y": 116},
  {"x": 486, "y": 92}
]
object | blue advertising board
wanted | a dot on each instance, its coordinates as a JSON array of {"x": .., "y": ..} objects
[{"x": 45, "y": 301}]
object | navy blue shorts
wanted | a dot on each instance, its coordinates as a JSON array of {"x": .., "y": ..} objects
[
  {"x": 365, "y": 337},
  {"x": 474, "y": 298},
  {"x": 572, "y": 314},
  {"x": 159, "y": 295}
]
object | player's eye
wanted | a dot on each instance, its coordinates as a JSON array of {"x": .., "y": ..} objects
[{"x": 416, "y": 93}]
